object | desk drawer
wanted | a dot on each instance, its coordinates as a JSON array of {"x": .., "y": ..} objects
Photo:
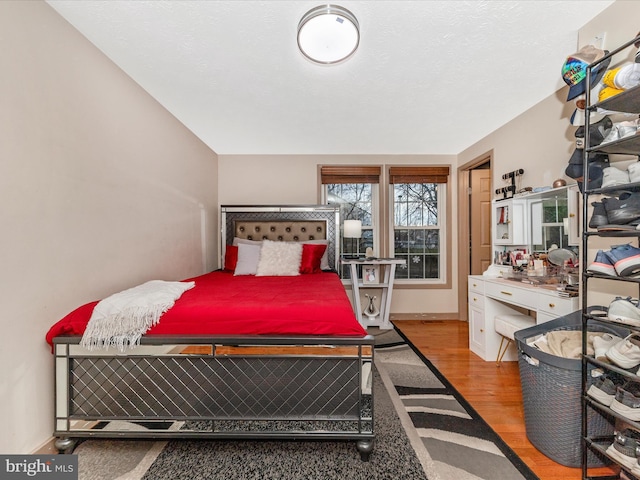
[
  {"x": 521, "y": 296},
  {"x": 476, "y": 285},
  {"x": 555, "y": 305},
  {"x": 476, "y": 299}
]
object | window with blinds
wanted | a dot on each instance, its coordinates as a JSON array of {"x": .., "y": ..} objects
[{"x": 418, "y": 202}]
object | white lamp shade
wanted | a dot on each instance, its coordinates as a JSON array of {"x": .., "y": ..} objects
[
  {"x": 328, "y": 34},
  {"x": 352, "y": 229}
]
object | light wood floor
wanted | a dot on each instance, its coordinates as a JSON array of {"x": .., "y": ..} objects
[{"x": 493, "y": 390}]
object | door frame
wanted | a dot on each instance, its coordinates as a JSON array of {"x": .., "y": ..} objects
[{"x": 464, "y": 265}]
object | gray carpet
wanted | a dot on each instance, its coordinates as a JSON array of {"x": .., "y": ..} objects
[{"x": 423, "y": 431}]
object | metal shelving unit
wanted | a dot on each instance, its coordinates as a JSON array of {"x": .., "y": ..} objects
[{"x": 625, "y": 102}]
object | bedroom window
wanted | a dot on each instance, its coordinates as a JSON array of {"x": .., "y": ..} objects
[
  {"x": 418, "y": 200},
  {"x": 355, "y": 190}
]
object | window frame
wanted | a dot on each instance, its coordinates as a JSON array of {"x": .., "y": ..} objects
[
  {"x": 354, "y": 175},
  {"x": 441, "y": 227},
  {"x": 382, "y": 205}
]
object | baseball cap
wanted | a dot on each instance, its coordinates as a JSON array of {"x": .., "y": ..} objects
[
  {"x": 574, "y": 69},
  {"x": 578, "y": 115},
  {"x": 598, "y": 131},
  {"x": 597, "y": 161}
]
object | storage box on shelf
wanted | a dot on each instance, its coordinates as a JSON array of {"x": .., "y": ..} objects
[{"x": 593, "y": 442}]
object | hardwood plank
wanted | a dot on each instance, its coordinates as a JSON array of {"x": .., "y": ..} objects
[{"x": 492, "y": 389}]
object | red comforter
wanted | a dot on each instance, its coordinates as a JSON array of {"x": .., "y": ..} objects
[{"x": 224, "y": 304}]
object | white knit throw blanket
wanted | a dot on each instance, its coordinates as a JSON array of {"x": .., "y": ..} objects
[{"x": 121, "y": 319}]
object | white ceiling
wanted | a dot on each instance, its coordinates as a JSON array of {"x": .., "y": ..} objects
[{"x": 429, "y": 77}]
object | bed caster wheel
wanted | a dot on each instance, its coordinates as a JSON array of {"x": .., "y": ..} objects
[
  {"x": 65, "y": 445},
  {"x": 365, "y": 447}
]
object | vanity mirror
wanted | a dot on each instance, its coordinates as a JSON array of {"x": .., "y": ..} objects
[{"x": 537, "y": 222}]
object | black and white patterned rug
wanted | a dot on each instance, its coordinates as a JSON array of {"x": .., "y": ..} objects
[
  {"x": 424, "y": 430},
  {"x": 448, "y": 435}
]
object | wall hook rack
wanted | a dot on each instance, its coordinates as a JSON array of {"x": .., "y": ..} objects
[{"x": 507, "y": 192}]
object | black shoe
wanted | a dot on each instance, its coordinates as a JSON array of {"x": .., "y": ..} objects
[
  {"x": 599, "y": 215},
  {"x": 621, "y": 212}
]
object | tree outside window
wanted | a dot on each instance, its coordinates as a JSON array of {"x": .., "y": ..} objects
[
  {"x": 356, "y": 203},
  {"x": 417, "y": 231}
]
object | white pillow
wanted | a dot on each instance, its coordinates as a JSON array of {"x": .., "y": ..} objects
[
  {"x": 324, "y": 261},
  {"x": 248, "y": 258},
  {"x": 279, "y": 258},
  {"x": 238, "y": 240}
]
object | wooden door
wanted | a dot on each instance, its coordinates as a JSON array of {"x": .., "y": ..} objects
[{"x": 480, "y": 220}]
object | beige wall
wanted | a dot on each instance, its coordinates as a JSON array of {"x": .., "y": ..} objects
[
  {"x": 101, "y": 189},
  {"x": 292, "y": 179},
  {"x": 541, "y": 140}
]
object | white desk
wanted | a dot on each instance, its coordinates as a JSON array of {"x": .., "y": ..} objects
[{"x": 491, "y": 296}]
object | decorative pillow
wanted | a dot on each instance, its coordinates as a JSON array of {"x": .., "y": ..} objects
[
  {"x": 248, "y": 258},
  {"x": 324, "y": 263},
  {"x": 230, "y": 258},
  {"x": 279, "y": 258},
  {"x": 237, "y": 241},
  {"x": 311, "y": 257}
]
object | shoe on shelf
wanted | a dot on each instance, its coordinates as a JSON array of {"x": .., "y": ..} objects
[
  {"x": 599, "y": 215},
  {"x": 625, "y": 259},
  {"x": 626, "y": 353},
  {"x": 602, "y": 343},
  {"x": 602, "y": 264},
  {"x": 623, "y": 210},
  {"x": 625, "y": 310},
  {"x": 623, "y": 448},
  {"x": 621, "y": 130},
  {"x": 605, "y": 386},
  {"x": 626, "y": 401},
  {"x": 634, "y": 172},
  {"x": 613, "y": 177}
]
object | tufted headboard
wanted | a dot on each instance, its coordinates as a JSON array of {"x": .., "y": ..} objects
[{"x": 288, "y": 223}]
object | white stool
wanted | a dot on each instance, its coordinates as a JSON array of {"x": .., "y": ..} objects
[{"x": 507, "y": 325}]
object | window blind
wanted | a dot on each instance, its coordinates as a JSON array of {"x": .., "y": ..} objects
[
  {"x": 418, "y": 174},
  {"x": 349, "y": 174}
]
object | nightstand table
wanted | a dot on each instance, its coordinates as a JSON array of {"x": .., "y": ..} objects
[{"x": 375, "y": 274}]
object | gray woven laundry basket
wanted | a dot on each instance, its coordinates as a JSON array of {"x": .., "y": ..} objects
[{"x": 552, "y": 396}]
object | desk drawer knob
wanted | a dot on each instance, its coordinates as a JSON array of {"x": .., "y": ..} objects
[
  {"x": 552, "y": 305},
  {"x": 505, "y": 293},
  {"x": 475, "y": 299},
  {"x": 482, "y": 330}
]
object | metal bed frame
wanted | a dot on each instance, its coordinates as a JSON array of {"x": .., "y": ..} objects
[{"x": 231, "y": 387}]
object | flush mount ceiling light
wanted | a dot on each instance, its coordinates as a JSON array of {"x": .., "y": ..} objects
[{"x": 328, "y": 34}]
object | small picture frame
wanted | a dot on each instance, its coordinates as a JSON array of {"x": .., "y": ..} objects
[{"x": 370, "y": 274}]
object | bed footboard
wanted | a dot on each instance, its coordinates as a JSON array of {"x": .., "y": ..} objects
[{"x": 217, "y": 388}]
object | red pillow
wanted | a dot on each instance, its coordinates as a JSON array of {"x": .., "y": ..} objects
[
  {"x": 230, "y": 258},
  {"x": 311, "y": 256}
]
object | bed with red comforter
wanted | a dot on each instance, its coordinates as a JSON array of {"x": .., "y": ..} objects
[
  {"x": 224, "y": 304},
  {"x": 236, "y": 356}
]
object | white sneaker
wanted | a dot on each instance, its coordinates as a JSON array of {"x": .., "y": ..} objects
[
  {"x": 634, "y": 172},
  {"x": 620, "y": 130},
  {"x": 626, "y": 354},
  {"x": 624, "y": 310},
  {"x": 602, "y": 343},
  {"x": 612, "y": 177}
]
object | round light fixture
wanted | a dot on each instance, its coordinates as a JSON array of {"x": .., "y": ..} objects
[{"x": 328, "y": 34}]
